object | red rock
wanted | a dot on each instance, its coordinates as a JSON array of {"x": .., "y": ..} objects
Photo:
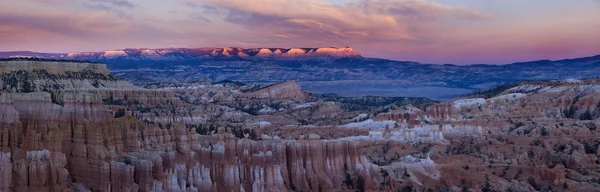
[
  {"x": 6, "y": 171},
  {"x": 557, "y": 174}
]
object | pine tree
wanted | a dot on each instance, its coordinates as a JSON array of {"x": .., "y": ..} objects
[
  {"x": 360, "y": 184},
  {"x": 463, "y": 183},
  {"x": 486, "y": 186},
  {"x": 532, "y": 182}
]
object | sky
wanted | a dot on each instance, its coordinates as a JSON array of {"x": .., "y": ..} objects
[{"x": 427, "y": 31}]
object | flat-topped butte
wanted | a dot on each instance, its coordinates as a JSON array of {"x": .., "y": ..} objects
[{"x": 52, "y": 66}]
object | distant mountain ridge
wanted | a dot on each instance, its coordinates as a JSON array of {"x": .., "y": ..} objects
[
  {"x": 174, "y": 54},
  {"x": 322, "y": 70}
]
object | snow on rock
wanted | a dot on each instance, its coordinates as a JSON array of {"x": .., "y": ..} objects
[
  {"x": 113, "y": 54},
  {"x": 340, "y": 52},
  {"x": 148, "y": 52},
  {"x": 81, "y": 54},
  {"x": 416, "y": 165},
  {"x": 571, "y": 80},
  {"x": 313, "y": 136},
  {"x": 508, "y": 97},
  {"x": 410, "y": 109},
  {"x": 360, "y": 117},
  {"x": 38, "y": 155},
  {"x": 468, "y": 102},
  {"x": 525, "y": 88},
  {"x": 369, "y": 123},
  {"x": 404, "y": 135},
  {"x": 263, "y": 123},
  {"x": 322, "y": 53},
  {"x": 266, "y": 110},
  {"x": 80, "y": 187},
  {"x": 304, "y": 105},
  {"x": 266, "y": 137}
]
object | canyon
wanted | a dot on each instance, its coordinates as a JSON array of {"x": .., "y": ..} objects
[
  {"x": 81, "y": 128},
  {"x": 343, "y": 71}
]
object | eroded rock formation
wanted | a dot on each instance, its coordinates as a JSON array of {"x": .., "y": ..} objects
[
  {"x": 88, "y": 131},
  {"x": 63, "y": 138}
]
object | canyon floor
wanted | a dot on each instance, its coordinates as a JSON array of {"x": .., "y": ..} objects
[{"x": 71, "y": 126}]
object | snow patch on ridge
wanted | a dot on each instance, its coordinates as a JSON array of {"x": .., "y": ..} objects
[
  {"x": 370, "y": 124},
  {"x": 571, "y": 80},
  {"x": 525, "y": 88},
  {"x": 263, "y": 123},
  {"x": 148, "y": 52},
  {"x": 304, "y": 105},
  {"x": 113, "y": 54},
  {"x": 468, "y": 102},
  {"x": 509, "y": 97},
  {"x": 360, "y": 117}
]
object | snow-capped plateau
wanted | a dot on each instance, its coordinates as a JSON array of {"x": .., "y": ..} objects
[{"x": 322, "y": 53}]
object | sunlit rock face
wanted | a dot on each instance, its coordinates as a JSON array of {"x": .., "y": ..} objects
[{"x": 174, "y": 54}]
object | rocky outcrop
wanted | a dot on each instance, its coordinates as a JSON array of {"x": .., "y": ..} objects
[
  {"x": 5, "y": 171},
  {"x": 408, "y": 115},
  {"x": 285, "y": 90},
  {"x": 442, "y": 111},
  {"x": 556, "y": 175},
  {"x": 55, "y": 67},
  {"x": 74, "y": 82},
  {"x": 34, "y": 171}
]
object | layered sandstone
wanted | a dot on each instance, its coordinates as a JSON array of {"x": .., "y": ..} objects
[{"x": 57, "y": 67}]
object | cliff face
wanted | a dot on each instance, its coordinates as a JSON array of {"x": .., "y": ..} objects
[
  {"x": 56, "y": 67},
  {"x": 124, "y": 155}
]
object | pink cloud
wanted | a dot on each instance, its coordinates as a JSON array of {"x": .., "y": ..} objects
[
  {"x": 371, "y": 26},
  {"x": 419, "y": 9},
  {"x": 398, "y": 29}
]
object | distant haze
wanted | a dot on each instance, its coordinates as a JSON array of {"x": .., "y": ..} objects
[{"x": 441, "y": 31}]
